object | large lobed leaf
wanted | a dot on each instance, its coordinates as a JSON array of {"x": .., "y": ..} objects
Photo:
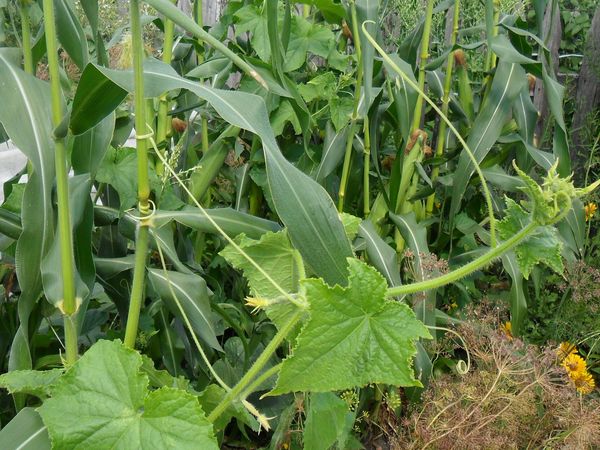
[
  {"x": 103, "y": 402},
  {"x": 275, "y": 255},
  {"x": 283, "y": 263},
  {"x": 354, "y": 337},
  {"x": 33, "y": 382}
]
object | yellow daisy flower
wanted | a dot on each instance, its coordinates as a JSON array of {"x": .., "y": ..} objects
[
  {"x": 590, "y": 210},
  {"x": 583, "y": 381},
  {"x": 506, "y": 327},
  {"x": 565, "y": 349},
  {"x": 574, "y": 363},
  {"x": 576, "y": 368}
]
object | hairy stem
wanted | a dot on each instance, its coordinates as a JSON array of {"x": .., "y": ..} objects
[
  {"x": 260, "y": 380},
  {"x": 465, "y": 270},
  {"x": 262, "y": 360},
  {"x": 69, "y": 302}
]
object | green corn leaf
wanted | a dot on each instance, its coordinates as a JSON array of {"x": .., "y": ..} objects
[
  {"x": 354, "y": 337},
  {"x": 367, "y": 10},
  {"x": 525, "y": 114},
  {"x": 518, "y": 301},
  {"x": 10, "y": 224},
  {"x": 209, "y": 68},
  {"x": 125, "y": 414},
  {"x": 415, "y": 236},
  {"x": 303, "y": 205},
  {"x": 25, "y": 115},
  {"x": 381, "y": 255},
  {"x": 498, "y": 177},
  {"x": 333, "y": 151},
  {"x": 109, "y": 267},
  {"x": 543, "y": 246},
  {"x": 79, "y": 199},
  {"x": 70, "y": 32},
  {"x": 554, "y": 93},
  {"x": 487, "y": 126},
  {"x": 502, "y": 47},
  {"x": 90, "y": 147},
  {"x": 25, "y": 431},
  {"x": 232, "y": 222},
  {"x": 405, "y": 97},
  {"x": 193, "y": 295},
  {"x": 574, "y": 225},
  {"x": 95, "y": 98},
  {"x": 90, "y": 8},
  {"x": 163, "y": 237}
]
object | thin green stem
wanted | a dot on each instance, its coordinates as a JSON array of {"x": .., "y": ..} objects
[
  {"x": 141, "y": 248},
  {"x": 465, "y": 270},
  {"x": 422, "y": 63},
  {"x": 26, "y": 35},
  {"x": 262, "y": 360},
  {"x": 441, "y": 138},
  {"x": 357, "y": 95},
  {"x": 69, "y": 303},
  {"x": 486, "y": 191}
]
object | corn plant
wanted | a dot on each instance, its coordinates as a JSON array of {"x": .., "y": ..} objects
[{"x": 289, "y": 166}]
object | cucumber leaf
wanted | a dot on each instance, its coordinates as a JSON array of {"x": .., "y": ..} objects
[
  {"x": 354, "y": 337},
  {"x": 110, "y": 406}
]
